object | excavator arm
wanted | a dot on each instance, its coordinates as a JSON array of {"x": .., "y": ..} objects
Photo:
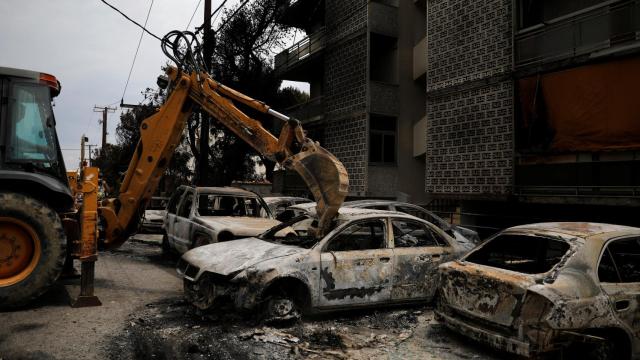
[{"x": 160, "y": 134}]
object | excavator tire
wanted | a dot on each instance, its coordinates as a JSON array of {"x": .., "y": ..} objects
[{"x": 32, "y": 249}]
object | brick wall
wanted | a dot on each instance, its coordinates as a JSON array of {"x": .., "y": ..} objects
[
  {"x": 469, "y": 97},
  {"x": 347, "y": 139}
]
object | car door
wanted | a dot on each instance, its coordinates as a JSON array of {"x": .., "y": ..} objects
[
  {"x": 418, "y": 249},
  {"x": 182, "y": 224},
  {"x": 170, "y": 215},
  {"x": 619, "y": 275},
  {"x": 356, "y": 265}
]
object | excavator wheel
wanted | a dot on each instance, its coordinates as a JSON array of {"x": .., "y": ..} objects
[{"x": 32, "y": 248}]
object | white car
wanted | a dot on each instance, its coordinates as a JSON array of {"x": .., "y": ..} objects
[
  {"x": 198, "y": 216},
  {"x": 370, "y": 257}
]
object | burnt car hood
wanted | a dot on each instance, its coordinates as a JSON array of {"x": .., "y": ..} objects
[
  {"x": 238, "y": 225},
  {"x": 230, "y": 257}
]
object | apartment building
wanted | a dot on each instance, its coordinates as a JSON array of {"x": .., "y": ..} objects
[
  {"x": 532, "y": 109},
  {"x": 365, "y": 62}
]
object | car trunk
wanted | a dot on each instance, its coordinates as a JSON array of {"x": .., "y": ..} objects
[
  {"x": 485, "y": 293},
  {"x": 492, "y": 281}
]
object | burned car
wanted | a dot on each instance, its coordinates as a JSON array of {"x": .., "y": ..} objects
[
  {"x": 462, "y": 234},
  {"x": 543, "y": 288},
  {"x": 371, "y": 257},
  {"x": 279, "y": 205},
  {"x": 198, "y": 216}
]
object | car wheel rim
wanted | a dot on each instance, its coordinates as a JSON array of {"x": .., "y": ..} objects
[
  {"x": 19, "y": 251},
  {"x": 282, "y": 307}
]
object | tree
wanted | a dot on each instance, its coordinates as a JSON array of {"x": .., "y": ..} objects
[{"x": 242, "y": 60}]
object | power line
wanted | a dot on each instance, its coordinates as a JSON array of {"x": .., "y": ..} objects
[
  {"x": 194, "y": 14},
  {"x": 215, "y": 12},
  {"x": 133, "y": 21},
  {"x": 135, "y": 56}
]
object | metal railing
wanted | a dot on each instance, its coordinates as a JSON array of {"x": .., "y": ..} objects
[
  {"x": 301, "y": 50},
  {"x": 579, "y": 191},
  {"x": 581, "y": 33}
]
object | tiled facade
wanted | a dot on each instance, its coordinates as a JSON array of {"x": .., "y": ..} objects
[{"x": 469, "y": 98}]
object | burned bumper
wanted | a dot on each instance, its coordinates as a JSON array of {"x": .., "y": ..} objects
[
  {"x": 214, "y": 291},
  {"x": 494, "y": 339}
]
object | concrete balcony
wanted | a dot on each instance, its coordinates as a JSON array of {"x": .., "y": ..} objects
[
  {"x": 383, "y": 98},
  {"x": 383, "y": 18},
  {"x": 420, "y": 59},
  {"x": 603, "y": 29},
  {"x": 298, "y": 55},
  {"x": 420, "y": 137},
  {"x": 307, "y": 112}
]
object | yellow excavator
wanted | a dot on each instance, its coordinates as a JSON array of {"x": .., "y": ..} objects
[{"x": 39, "y": 226}]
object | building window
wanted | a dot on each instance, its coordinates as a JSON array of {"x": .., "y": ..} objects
[{"x": 382, "y": 139}]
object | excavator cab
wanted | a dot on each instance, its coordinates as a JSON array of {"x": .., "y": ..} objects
[{"x": 29, "y": 147}]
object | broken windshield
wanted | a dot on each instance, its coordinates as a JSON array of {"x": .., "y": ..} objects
[
  {"x": 527, "y": 254},
  {"x": 229, "y": 205},
  {"x": 300, "y": 224}
]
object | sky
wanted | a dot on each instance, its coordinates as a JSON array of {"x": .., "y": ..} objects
[{"x": 90, "y": 48}]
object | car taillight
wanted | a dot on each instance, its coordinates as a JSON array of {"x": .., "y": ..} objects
[{"x": 51, "y": 82}]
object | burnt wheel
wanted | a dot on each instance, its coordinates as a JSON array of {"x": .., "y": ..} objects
[
  {"x": 32, "y": 248},
  {"x": 279, "y": 308}
]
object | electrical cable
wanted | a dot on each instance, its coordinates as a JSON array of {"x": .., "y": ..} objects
[
  {"x": 133, "y": 21},
  {"x": 135, "y": 56},
  {"x": 201, "y": 27},
  {"x": 193, "y": 15}
]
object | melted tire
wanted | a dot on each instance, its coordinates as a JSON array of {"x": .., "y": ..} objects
[{"x": 53, "y": 243}]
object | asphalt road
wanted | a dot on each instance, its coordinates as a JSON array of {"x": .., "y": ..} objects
[{"x": 126, "y": 280}]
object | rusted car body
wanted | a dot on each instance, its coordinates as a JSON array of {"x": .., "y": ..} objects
[
  {"x": 371, "y": 257},
  {"x": 543, "y": 288}
]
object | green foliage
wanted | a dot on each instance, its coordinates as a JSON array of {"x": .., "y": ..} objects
[{"x": 242, "y": 60}]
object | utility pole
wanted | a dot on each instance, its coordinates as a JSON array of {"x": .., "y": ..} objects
[
  {"x": 104, "y": 110},
  {"x": 207, "y": 52}
]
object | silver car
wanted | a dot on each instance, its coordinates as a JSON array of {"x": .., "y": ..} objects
[
  {"x": 371, "y": 257},
  {"x": 570, "y": 288},
  {"x": 198, "y": 216}
]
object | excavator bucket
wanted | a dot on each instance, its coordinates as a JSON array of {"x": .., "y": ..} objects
[{"x": 325, "y": 177}]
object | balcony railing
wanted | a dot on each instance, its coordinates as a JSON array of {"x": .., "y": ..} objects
[
  {"x": 300, "y": 51},
  {"x": 309, "y": 111},
  {"x": 581, "y": 33}
]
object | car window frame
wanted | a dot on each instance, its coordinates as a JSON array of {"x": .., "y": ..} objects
[
  {"x": 178, "y": 194},
  {"x": 184, "y": 196},
  {"x": 428, "y": 225},
  {"x": 605, "y": 249},
  {"x": 345, "y": 226}
]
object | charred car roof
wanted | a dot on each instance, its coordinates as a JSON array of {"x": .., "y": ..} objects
[{"x": 583, "y": 230}]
